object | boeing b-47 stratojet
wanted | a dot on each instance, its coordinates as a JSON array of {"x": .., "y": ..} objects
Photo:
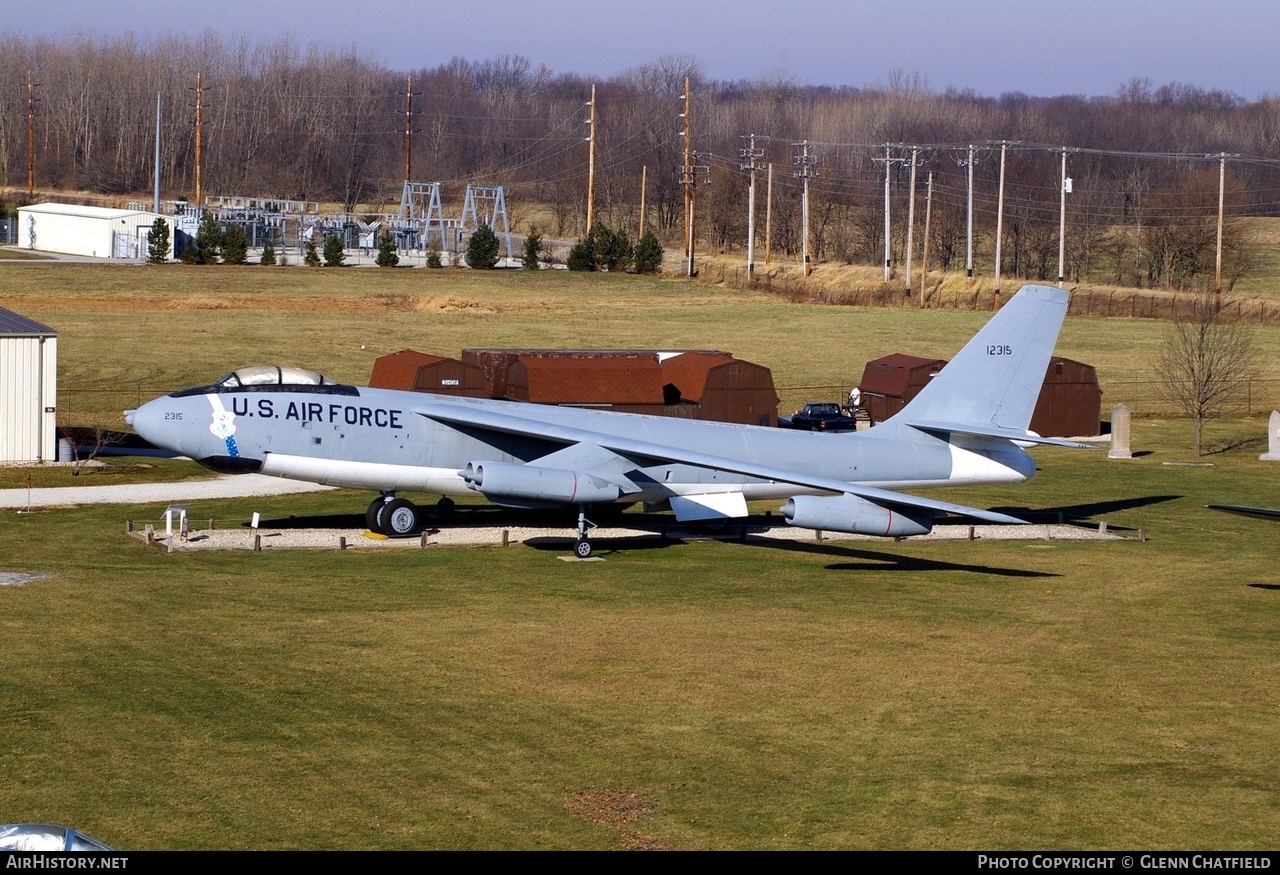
[{"x": 966, "y": 427}]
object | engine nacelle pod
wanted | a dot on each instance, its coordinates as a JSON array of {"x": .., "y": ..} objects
[
  {"x": 849, "y": 513},
  {"x": 505, "y": 480}
]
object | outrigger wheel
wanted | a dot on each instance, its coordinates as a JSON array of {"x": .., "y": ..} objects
[{"x": 583, "y": 547}]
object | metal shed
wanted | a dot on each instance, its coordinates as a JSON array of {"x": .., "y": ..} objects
[
  {"x": 1070, "y": 402},
  {"x": 98, "y": 232},
  {"x": 28, "y": 389},
  {"x": 724, "y": 389},
  {"x": 420, "y": 372},
  {"x": 587, "y": 380},
  {"x": 888, "y": 383},
  {"x": 698, "y": 384}
]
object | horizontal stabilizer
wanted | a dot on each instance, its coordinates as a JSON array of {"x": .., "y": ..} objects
[{"x": 1026, "y": 437}]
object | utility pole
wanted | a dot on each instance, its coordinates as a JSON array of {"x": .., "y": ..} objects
[
  {"x": 768, "y": 213},
  {"x": 686, "y": 179},
  {"x": 31, "y": 137},
  {"x": 749, "y": 156},
  {"x": 924, "y": 255},
  {"x": 1217, "y": 273},
  {"x": 409, "y": 131},
  {"x": 1004, "y": 146},
  {"x": 806, "y": 171},
  {"x": 644, "y": 185},
  {"x": 911, "y": 222},
  {"x": 155, "y": 204},
  {"x": 1065, "y": 189},
  {"x": 968, "y": 251},
  {"x": 591, "y": 161},
  {"x": 887, "y": 251},
  {"x": 200, "y": 105}
]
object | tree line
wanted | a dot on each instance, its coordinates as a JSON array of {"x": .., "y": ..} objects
[{"x": 322, "y": 124}]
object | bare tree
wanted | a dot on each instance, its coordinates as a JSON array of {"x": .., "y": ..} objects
[{"x": 1207, "y": 363}]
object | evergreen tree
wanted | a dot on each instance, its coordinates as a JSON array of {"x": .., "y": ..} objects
[
  {"x": 583, "y": 254},
  {"x": 235, "y": 245},
  {"x": 433, "y": 258},
  {"x": 532, "y": 249},
  {"x": 648, "y": 254},
  {"x": 268, "y": 253},
  {"x": 613, "y": 248},
  {"x": 334, "y": 251},
  {"x": 387, "y": 256},
  {"x": 158, "y": 242},
  {"x": 310, "y": 257},
  {"x": 208, "y": 240},
  {"x": 482, "y": 248}
]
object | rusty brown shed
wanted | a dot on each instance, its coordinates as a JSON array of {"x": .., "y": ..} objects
[
  {"x": 422, "y": 372},
  {"x": 725, "y": 389},
  {"x": 888, "y": 383},
  {"x": 1070, "y": 403},
  {"x": 587, "y": 380}
]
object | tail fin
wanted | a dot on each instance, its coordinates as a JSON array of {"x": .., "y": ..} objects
[{"x": 991, "y": 386}]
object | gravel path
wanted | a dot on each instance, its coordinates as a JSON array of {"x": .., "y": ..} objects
[
  {"x": 226, "y": 486},
  {"x": 239, "y": 537},
  {"x": 562, "y": 538}
]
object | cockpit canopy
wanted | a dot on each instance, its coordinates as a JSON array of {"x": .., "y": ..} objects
[
  {"x": 272, "y": 375},
  {"x": 272, "y": 378}
]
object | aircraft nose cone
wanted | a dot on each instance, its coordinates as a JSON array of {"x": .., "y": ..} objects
[{"x": 148, "y": 421}]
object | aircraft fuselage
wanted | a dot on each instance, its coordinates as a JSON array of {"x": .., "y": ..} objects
[{"x": 372, "y": 439}]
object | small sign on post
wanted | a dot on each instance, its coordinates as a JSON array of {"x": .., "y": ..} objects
[{"x": 178, "y": 510}]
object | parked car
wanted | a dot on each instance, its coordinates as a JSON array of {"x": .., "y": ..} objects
[{"x": 819, "y": 416}]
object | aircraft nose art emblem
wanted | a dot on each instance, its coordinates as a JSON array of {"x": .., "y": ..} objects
[{"x": 223, "y": 425}]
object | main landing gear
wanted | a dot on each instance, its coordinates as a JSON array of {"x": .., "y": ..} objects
[
  {"x": 582, "y": 549},
  {"x": 393, "y": 517}
]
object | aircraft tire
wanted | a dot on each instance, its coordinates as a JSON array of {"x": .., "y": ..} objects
[
  {"x": 399, "y": 518},
  {"x": 582, "y": 549},
  {"x": 373, "y": 516},
  {"x": 445, "y": 507}
]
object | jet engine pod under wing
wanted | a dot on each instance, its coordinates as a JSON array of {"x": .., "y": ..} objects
[
  {"x": 501, "y": 482},
  {"x": 849, "y": 513}
]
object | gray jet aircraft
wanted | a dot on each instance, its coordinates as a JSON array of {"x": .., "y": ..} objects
[{"x": 966, "y": 427}]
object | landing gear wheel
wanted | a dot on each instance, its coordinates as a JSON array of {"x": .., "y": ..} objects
[
  {"x": 373, "y": 516},
  {"x": 585, "y": 526},
  {"x": 399, "y": 517},
  {"x": 445, "y": 507}
]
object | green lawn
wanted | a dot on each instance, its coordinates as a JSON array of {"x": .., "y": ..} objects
[{"x": 697, "y": 695}]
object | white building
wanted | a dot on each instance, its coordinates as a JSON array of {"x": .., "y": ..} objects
[
  {"x": 28, "y": 390},
  {"x": 94, "y": 231}
]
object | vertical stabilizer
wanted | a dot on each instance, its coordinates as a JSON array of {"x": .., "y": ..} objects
[{"x": 993, "y": 382}]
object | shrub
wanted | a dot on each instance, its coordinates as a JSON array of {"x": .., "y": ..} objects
[
  {"x": 334, "y": 251},
  {"x": 482, "y": 248}
]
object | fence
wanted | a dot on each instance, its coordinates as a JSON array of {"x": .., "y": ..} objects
[{"x": 947, "y": 294}]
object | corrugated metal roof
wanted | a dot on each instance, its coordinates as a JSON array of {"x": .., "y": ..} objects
[
  {"x": 585, "y": 379},
  {"x": 81, "y": 210},
  {"x": 397, "y": 370},
  {"x": 688, "y": 372},
  {"x": 20, "y": 326}
]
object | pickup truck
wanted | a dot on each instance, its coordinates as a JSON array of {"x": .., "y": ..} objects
[{"x": 819, "y": 416}]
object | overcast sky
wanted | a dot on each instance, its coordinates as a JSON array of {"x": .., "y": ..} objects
[{"x": 1039, "y": 47}]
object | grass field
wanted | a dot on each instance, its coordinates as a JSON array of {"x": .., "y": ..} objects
[{"x": 997, "y": 695}]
